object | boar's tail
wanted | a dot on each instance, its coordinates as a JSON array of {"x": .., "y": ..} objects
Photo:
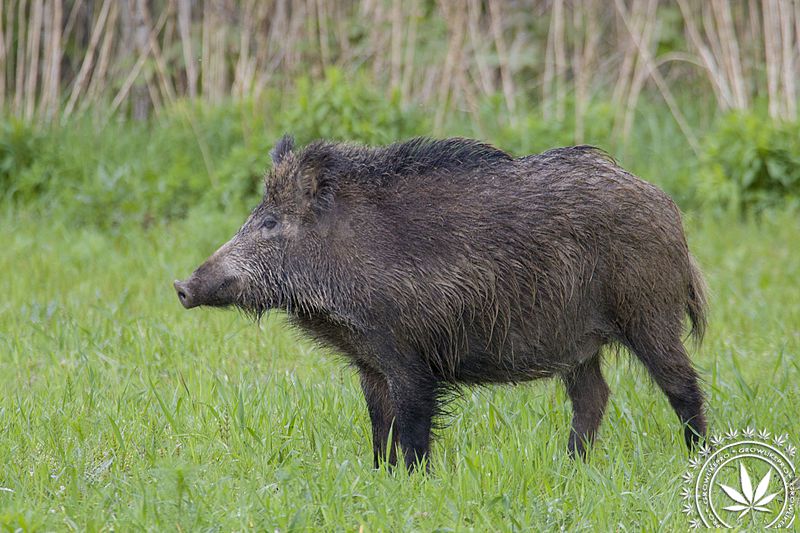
[{"x": 697, "y": 304}]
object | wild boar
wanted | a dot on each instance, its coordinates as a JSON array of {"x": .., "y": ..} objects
[{"x": 436, "y": 264}]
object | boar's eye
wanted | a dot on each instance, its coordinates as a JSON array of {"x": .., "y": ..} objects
[{"x": 269, "y": 223}]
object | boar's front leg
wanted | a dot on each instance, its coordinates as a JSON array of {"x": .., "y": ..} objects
[
  {"x": 413, "y": 398},
  {"x": 381, "y": 415}
]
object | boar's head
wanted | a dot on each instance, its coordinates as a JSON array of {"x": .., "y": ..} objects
[{"x": 274, "y": 258}]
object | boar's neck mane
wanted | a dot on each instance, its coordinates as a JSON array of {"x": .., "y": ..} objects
[{"x": 417, "y": 157}]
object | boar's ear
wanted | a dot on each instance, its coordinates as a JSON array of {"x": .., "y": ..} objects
[
  {"x": 282, "y": 148},
  {"x": 317, "y": 179}
]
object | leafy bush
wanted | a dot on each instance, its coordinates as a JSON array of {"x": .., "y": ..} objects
[
  {"x": 110, "y": 175},
  {"x": 19, "y": 144},
  {"x": 113, "y": 174},
  {"x": 192, "y": 155},
  {"x": 750, "y": 163},
  {"x": 196, "y": 156},
  {"x": 532, "y": 133},
  {"x": 348, "y": 110}
]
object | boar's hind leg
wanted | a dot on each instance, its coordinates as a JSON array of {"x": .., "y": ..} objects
[
  {"x": 588, "y": 393},
  {"x": 381, "y": 415},
  {"x": 666, "y": 360}
]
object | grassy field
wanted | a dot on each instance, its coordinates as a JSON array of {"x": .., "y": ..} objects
[{"x": 120, "y": 410}]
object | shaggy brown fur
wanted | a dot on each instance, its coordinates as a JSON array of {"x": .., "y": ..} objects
[{"x": 438, "y": 263}]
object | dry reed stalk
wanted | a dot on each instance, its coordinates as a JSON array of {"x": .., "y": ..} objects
[
  {"x": 210, "y": 53},
  {"x": 772, "y": 55},
  {"x": 185, "y": 32},
  {"x": 8, "y": 71},
  {"x": 484, "y": 71},
  {"x": 797, "y": 30},
  {"x": 579, "y": 71},
  {"x": 462, "y": 84},
  {"x": 549, "y": 73},
  {"x": 269, "y": 51},
  {"x": 218, "y": 58},
  {"x": 50, "y": 26},
  {"x": 205, "y": 47},
  {"x": 72, "y": 17},
  {"x": 47, "y": 39},
  {"x": 588, "y": 36},
  {"x": 470, "y": 98},
  {"x": 251, "y": 65},
  {"x": 292, "y": 50},
  {"x": 342, "y": 23},
  {"x": 377, "y": 36},
  {"x": 411, "y": 46},
  {"x": 743, "y": 46},
  {"x": 729, "y": 48},
  {"x": 428, "y": 85},
  {"x": 278, "y": 24},
  {"x": 169, "y": 29},
  {"x": 98, "y": 81},
  {"x": 133, "y": 74},
  {"x": 785, "y": 15},
  {"x": 555, "y": 65},
  {"x": 322, "y": 32},
  {"x": 260, "y": 26},
  {"x": 507, "y": 81},
  {"x": 719, "y": 82},
  {"x": 660, "y": 83},
  {"x": 642, "y": 70},
  {"x": 155, "y": 97},
  {"x": 20, "y": 63},
  {"x": 455, "y": 29},
  {"x": 712, "y": 36},
  {"x": 626, "y": 69},
  {"x": 167, "y": 90},
  {"x": 140, "y": 99},
  {"x": 3, "y": 49},
  {"x": 559, "y": 49},
  {"x": 396, "y": 45},
  {"x": 239, "y": 86},
  {"x": 754, "y": 41},
  {"x": 630, "y": 71},
  {"x": 80, "y": 80}
]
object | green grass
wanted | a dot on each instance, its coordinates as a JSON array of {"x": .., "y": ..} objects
[{"x": 120, "y": 410}]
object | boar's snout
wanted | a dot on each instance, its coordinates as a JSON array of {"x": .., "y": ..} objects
[
  {"x": 184, "y": 293},
  {"x": 211, "y": 285}
]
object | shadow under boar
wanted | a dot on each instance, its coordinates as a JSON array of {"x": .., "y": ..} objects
[{"x": 433, "y": 264}]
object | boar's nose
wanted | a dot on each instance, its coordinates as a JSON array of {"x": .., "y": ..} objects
[{"x": 184, "y": 293}]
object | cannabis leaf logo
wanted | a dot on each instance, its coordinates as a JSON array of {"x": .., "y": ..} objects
[
  {"x": 750, "y": 497},
  {"x": 747, "y": 500}
]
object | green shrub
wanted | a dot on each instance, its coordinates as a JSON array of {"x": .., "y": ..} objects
[
  {"x": 114, "y": 174},
  {"x": 191, "y": 155},
  {"x": 750, "y": 163},
  {"x": 195, "y": 156},
  {"x": 19, "y": 144},
  {"x": 119, "y": 172},
  {"x": 532, "y": 133},
  {"x": 336, "y": 108}
]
